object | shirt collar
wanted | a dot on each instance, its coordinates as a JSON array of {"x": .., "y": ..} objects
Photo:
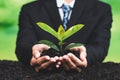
[{"x": 61, "y": 2}]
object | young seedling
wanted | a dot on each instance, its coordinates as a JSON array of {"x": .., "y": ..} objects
[{"x": 61, "y": 35}]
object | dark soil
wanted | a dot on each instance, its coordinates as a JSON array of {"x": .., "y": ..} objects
[
  {"x": 51, "y": 52},
  {"x": 13, "y": 70}
]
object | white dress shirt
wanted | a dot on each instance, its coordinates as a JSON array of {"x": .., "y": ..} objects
[{"x": 59, "y": 5}]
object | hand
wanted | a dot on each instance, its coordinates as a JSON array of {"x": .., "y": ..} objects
[
  {"x": 83, "y": 54},
  {"x": 70, "y": 61},
  {"x": 40, "y": 62}
]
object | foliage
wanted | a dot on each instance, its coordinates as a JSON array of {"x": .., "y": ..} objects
[
  {"x": 9, "y": 11},
  {"x": 61, "y": 35}
]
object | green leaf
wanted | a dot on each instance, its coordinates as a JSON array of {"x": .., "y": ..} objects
[
  {"x": 73, "y": 45},
  {"x": 49, "y": 43},
  {"x": 61, "y": 31},
  {"x": 48, "y": 29},
  {"x": 72, "y": 31}
]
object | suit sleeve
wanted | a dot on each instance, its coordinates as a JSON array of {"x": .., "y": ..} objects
[
  {"x": 26, "y": 37},
  {"x": 98, "y": 43}
]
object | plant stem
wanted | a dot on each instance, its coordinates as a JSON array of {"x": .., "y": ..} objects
[
  {"x": 60, "y": 45},
  {"x": 60, "y": 48}
]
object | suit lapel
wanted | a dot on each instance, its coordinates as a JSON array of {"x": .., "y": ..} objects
[
  {"x": 53, "y": 13},
  {"x": 76, "y": 12},
  {"x": 78, "y": 9}
]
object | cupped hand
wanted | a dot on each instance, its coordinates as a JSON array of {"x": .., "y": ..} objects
[
  {"x": 71, "y": 62},
  {"x": 41, "y": 62}
]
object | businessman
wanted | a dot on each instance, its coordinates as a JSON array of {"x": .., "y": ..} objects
[{"x": 95, "y": 35}]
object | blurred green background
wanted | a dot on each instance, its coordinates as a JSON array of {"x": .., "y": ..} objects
[{"x": 9, "y": 12}]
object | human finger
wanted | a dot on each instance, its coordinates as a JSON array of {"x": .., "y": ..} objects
[
  {"x": 43, "y": 59},
  {"x": 33, "y": 61},
  {"x": 37, "y": 49},
  {"x": 77, "y": 62},
  {"x": 74, "y": 58},
  {"x": 79, "y": 49},
  {"x": 37, "y": 54},
  {"x": 64, "y": 64},
  {"x": 69, "y": 63},
  {"x": 45, "y": 65},
  {"x": 43, "y": 47},
  {"x": 84, "y": 60},
  {"x": 58, "y": 62}
]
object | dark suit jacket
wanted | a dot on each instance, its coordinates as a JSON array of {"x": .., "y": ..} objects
[{"x": 95, "y": 15}]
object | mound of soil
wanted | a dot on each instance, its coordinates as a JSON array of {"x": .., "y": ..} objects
[{"x": 13, "y": 70}]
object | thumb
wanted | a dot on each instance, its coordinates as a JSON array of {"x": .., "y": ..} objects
[
  {"x": 83, "y": 56},
  {"x": 37, "y": 54}
]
